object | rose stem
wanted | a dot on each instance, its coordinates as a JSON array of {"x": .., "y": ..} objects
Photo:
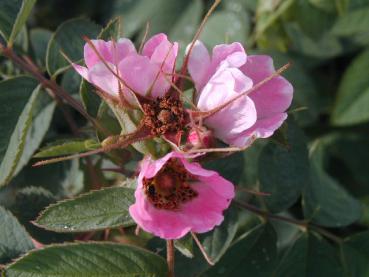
[{"x": 170, "y": 257}]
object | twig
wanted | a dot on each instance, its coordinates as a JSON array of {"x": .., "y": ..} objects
[{"x": 201, "y": 247}]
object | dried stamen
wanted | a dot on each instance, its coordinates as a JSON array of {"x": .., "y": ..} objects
[
  {"x": 170, "y": 187},
  {"x": 164, "y": 115}
]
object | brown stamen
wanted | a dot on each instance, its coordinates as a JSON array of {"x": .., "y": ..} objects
[
  {"x": 170, "y": 187},
  {"x": 164, "y": 115}
]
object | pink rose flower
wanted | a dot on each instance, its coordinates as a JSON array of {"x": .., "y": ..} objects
[
  {"x": 174, "y": 197},
  {"x": 142, "y": 72},
  {"x": 229, "y": 72}
]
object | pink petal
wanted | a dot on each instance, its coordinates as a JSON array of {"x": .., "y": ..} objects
[
  {"x": 161, "y": 52},
  {"x": 198, "y": 64},
  {"x": 139, "y": 74},
  {"x": 104, "y": 79},
  {"x": 81, "y": 70},
  {"x": 112, "y": 52},
  {"x": 151, "y": 45},
  {"x": 263, "y": 128},
  {"x": 231, "y": 55},
  {"x": 237, "y": 116},
  {"x": 273, "y": 97},
  {"x": 201, "y": 214}
]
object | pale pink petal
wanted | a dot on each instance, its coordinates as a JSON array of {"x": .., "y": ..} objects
[
  {"x": 104, "y": 79},
  {"x": 124, "y": 48},
  {"x": 151, "y": 45},
  {"x": 81, "y": 70},
  {"x": 235, "y": 117},
  {"x": 273, "y": 97},
  {"x": 112, "y": 52},
  {"x": 165, "y": 55},
  {"x": 231, "y": 55},
  {"x": 263, "y": 128},
  {"x": 199, "y": 64},
  {"x": 139, "y": 74}
]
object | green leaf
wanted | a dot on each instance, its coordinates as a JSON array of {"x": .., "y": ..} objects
[
  {"x": 355, "y": 254},
  {"x": 69, "y": 39},
  {"x": 25, "y": 118},
  {"x": 39, "y": 39},
  {"x": 252, "y": 255},
  {"x": 284, "y": 172},
  {"x": 89, "y": 259},
  {"x": 330, "y": 6},
  {"x": 13, "y": 15},
  {"x": 96, "y": 210},
  {"x": 268, "y": 12},
  {"x": 14, "y": 240},
  {"x": 64, "y": 148},
  {"x": 166, "y": 15},
  {"x": 325, "y": 202},
  {"x": 29, "y": 202},
  {"x": 185, "y": 246},
  {"x": 352, "y": 23},
  {"x": 111, "y": 31},
  {"x": 91, "y": 101},
  {"x": 219, "y": 240},
  {"x": 135, "y": 14},
  {"x": 185, "y": 27},
  {"x": 327, "y": 46},
  {"x": 353, "y": 93},
  {"x": 225, "y": 26},
  {"x": 309, "y": 256},
  {"x": 230, "y": 167}
]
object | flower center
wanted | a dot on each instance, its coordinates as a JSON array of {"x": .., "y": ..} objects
[
  {"x": 165, "y": 114},
  {"x": 169, "y": 188}
]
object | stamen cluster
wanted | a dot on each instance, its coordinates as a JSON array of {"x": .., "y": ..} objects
[
  {"x": 170, "y": 187},
  {"x": 164, "y": 114}
]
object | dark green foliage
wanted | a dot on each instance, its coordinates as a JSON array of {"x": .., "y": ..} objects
[{"x": 302, "y": 204}]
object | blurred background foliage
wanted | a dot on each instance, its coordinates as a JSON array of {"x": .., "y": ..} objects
[{"x": 316, "y": 167}]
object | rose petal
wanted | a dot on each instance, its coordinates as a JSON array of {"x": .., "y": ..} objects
[
  {"x": 263, "y": 128},
  {"x": 199, "y": 64},
  {"x": 140, "y": 74},
  {"x": 273, "y": 97},
  {"x": 235, "y": 117},
  {"x": 230, "y": 55},
  {"x": 112, "y": 52},
  {"x": 201, "y": 214},
  {"x": 104, "y": 79}
]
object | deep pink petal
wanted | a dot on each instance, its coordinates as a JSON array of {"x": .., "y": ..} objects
[
  {"x": 273, "y": 97},
  {"x": 201, "y": 214}
]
